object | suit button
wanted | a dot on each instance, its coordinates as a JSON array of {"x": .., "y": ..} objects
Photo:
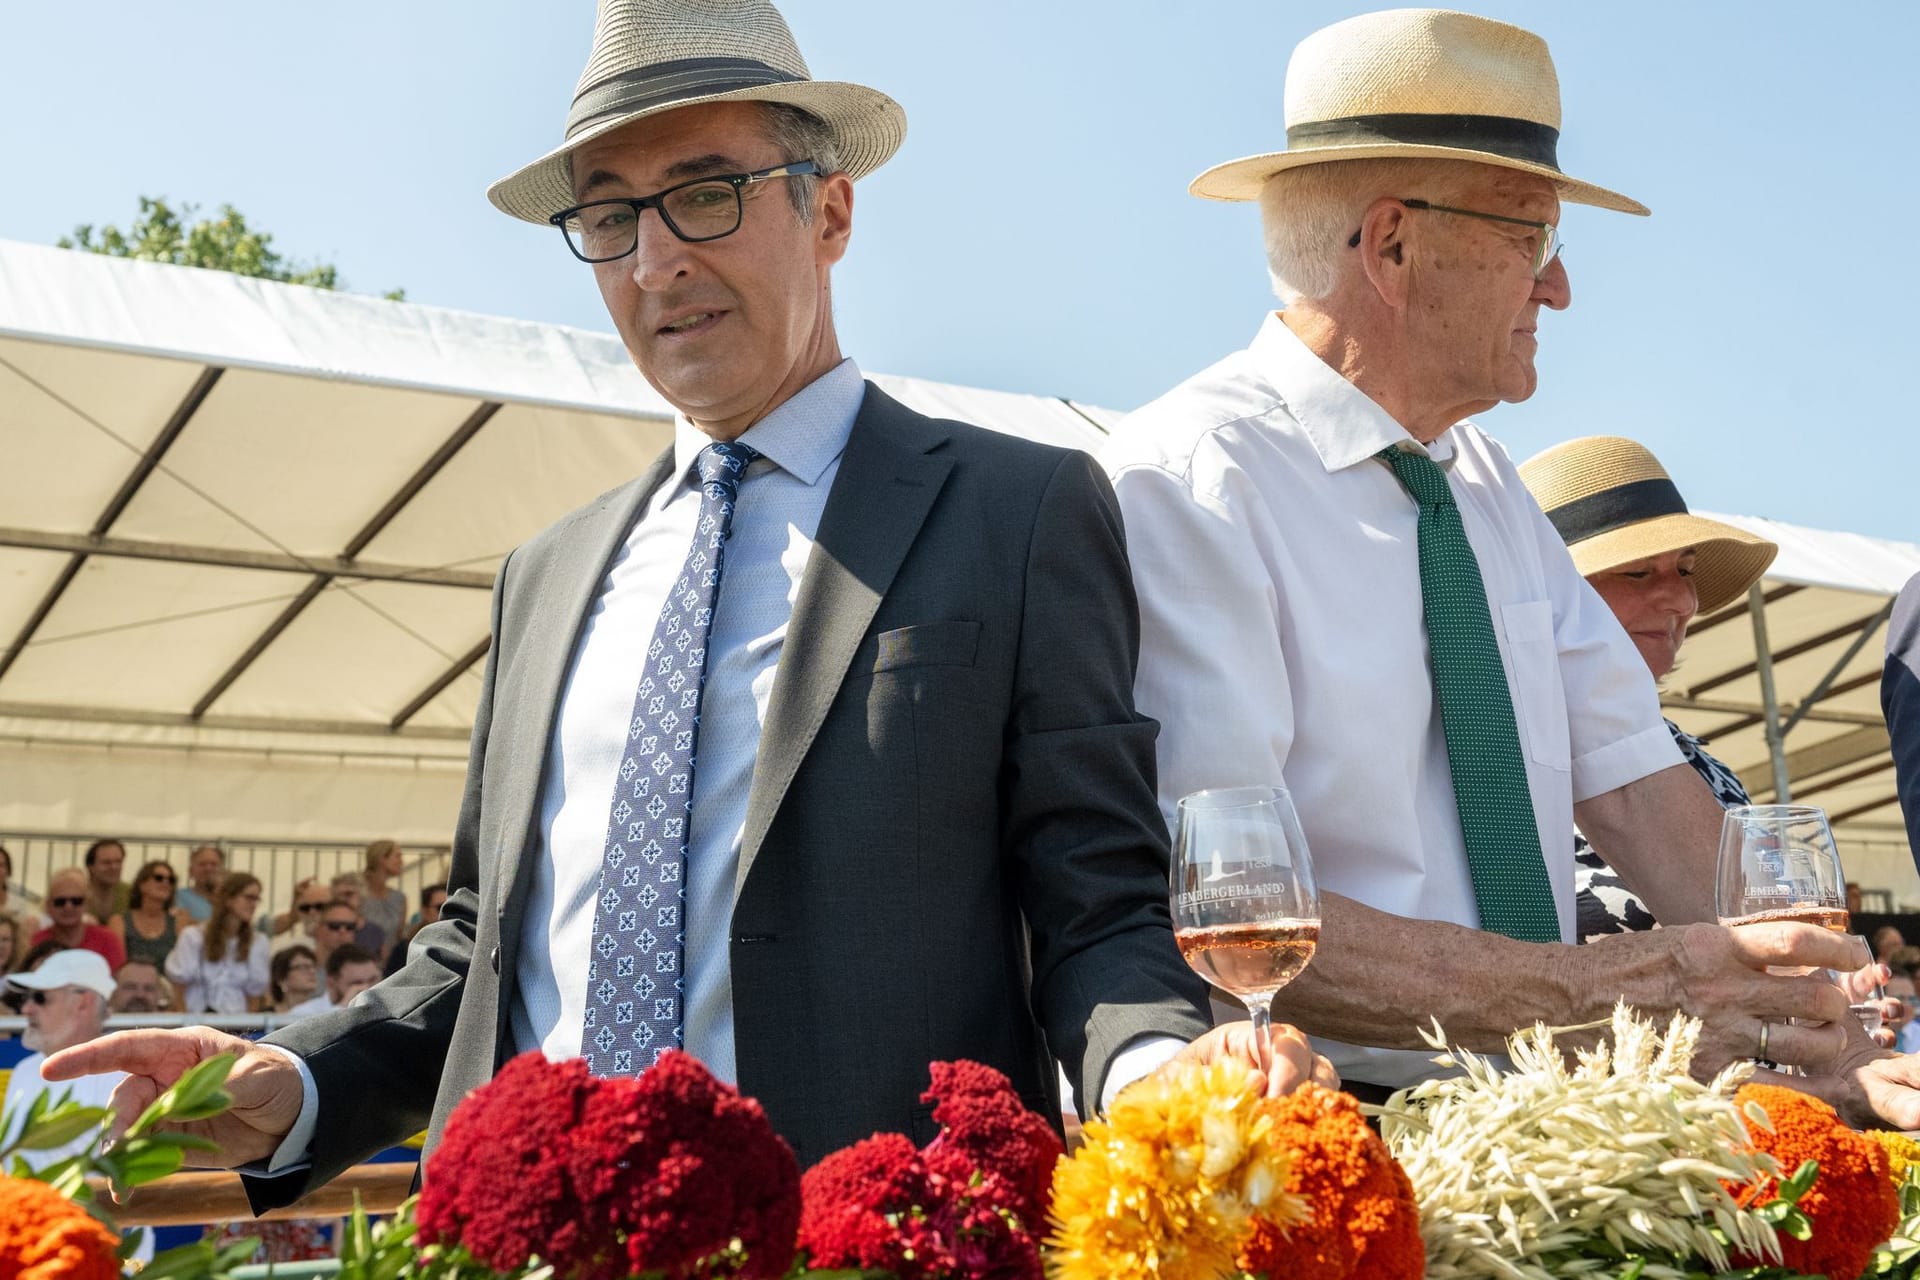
[{"x": 493, "y": 958}]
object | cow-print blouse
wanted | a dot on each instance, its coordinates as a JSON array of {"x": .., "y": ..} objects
[{"x": 1602, "y": 904}]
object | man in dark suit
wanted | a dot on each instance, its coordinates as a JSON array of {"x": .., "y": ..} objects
[
  {"x": 1900, "y": 703},
  {"x": 924, "y": 823}
]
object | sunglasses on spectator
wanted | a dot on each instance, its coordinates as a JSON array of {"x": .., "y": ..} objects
[
  {"x": 345, "y": 926},
  {"x": 163, "y": 879},
  {"x": 66, "y": 902},
  {"x": 41, "y": 997},
  {"x": 305, "y": 907}
]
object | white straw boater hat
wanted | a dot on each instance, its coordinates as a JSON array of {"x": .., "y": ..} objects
[
  {"x": 1613, "y": 504},
  {"x": 1418, "y": 84},
  {"x": 651, "y": 56}
]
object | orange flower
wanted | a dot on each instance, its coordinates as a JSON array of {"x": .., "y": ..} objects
[
  {"x": 1365, "y": 1224},
  {"x": 1853, "y": 1204},
  {"x": 45, "y": 1236}
]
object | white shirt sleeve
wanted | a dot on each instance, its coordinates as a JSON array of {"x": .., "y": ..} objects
[
  {"x": 255, "y": 982},
  {"x": 1140, "y": 1059},
  {"x": 183, "y": 962},
  {"x": 1204, "y": 631}
]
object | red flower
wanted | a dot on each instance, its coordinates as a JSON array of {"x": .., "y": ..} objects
[
  {"x": 1853, "y": 1204},
  {"x": 981, "y": 1116},
  {"x": 965, "y": 1206},
  {"x": 606, "y": 1177},
  {"x": 1365, "y": 1223},
  {"x": 510, "y": 1195}
]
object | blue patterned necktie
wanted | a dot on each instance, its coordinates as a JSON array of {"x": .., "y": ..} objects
[{"x": 635, "y": 981}]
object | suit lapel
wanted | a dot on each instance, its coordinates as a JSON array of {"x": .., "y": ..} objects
[
  {"x": 564, "y": 586},
  {"x": 886, "y": 485}
]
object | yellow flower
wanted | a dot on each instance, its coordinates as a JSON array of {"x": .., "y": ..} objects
[
  {"x": 1902, "y": 1151},
  {"x": 1169, "y": 1185}
]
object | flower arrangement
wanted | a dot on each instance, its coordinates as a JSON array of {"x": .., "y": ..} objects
[
  {"x": 1851, "y": 1207},
  {"x": 968, "y": 1204},
  {"x": 670, "y": 1171},
  {"x": 1363, "y": 1219},
  {"x": 1170, "y": 1184},
  {"x": 1620, "y": 1163}
]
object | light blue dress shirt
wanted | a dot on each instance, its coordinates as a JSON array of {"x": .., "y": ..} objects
[{"x": 781, "y": 500}]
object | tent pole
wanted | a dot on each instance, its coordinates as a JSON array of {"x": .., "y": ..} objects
[{"x": 1769, "y": 701}]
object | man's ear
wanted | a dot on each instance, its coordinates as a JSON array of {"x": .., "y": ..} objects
[
  {"x": 833, "y": 218},
  {"x": 1383, "y": 249}
]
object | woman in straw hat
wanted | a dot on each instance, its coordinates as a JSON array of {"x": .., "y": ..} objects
[{"x": 1656, "y": 565}]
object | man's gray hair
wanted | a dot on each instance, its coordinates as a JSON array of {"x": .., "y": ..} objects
[
  {"x": 1308, "y": 214},
  {"x": 801, "y": 135}
]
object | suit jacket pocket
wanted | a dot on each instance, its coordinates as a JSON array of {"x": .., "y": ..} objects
[{"x": 928, "y": 644}]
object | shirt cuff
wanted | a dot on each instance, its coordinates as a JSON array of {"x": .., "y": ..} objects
[
  {"x": 1143, "y": 1056},
  {"x": 292, "y": 1153},
  {"x": 1624, "y": 761}
]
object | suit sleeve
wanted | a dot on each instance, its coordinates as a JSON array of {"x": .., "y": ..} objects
[
  {"x": 376, "y": 1064},
  {"x": 1900, "y": 702},
  {"x": 1082, "y": 821}
]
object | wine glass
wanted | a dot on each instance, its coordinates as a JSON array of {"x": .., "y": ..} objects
[
  {"x": 1245, "y": 910},
  {"x": 1778, "y": 862}
]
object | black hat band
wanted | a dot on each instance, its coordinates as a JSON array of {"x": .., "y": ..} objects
[
  {"x": 665, "y": 83},
  {"x": 1613, "y": 508},
  {"x": 1516, "y": 139}
]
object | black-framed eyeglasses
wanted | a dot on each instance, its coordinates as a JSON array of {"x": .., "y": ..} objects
[
  {"x": 1545, "y": 250},
  {"x": 696, "y": 211}
]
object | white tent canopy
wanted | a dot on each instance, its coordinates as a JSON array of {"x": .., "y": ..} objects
[{"x": 247, "y": 531}]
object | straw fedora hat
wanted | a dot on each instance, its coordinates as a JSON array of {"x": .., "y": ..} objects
[
  {"x": 651, "y": 56},
  {"x": 1418, "y": 84},
  {"x": 1612, "y": 502}
]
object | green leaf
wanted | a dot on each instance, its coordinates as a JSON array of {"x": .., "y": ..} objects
[
  {"x": 59, "y": 1127},
  {"x": 147, "y": 1163},
  {"x": 197, "y": 1095},
  {"x": 1791, "y": 1189}
]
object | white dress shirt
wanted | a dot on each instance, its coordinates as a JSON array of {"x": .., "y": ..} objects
[{"x": 1283, "y": 638}]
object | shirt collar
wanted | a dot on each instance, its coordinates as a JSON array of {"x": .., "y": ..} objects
[
  {"x": 1344, "y": 425},
  {"x": 804, "y": 433}
]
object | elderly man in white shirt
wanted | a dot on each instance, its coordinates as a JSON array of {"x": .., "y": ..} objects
[{"x": 1310, "y": 515}]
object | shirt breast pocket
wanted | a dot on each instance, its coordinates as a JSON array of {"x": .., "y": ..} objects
[
  {"x": 929, "y": 644},
  {"x": 1539, "y": 698}
]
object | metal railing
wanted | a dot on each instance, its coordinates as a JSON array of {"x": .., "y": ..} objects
[{"x": 278, "y": 864}]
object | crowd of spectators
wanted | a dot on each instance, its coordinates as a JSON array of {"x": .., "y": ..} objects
[{"x": 211, "y": 945}]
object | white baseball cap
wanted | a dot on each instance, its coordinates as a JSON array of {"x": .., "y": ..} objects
[{"x": 73, "y": 968}]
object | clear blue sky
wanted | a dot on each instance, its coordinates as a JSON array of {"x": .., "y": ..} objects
[{"x": 1035, "y": 235}]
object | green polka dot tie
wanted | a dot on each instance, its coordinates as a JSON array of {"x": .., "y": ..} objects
[{"x": 1476, "y": 715}]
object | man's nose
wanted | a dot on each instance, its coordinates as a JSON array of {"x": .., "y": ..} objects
[
  {"x": 1554, "y": 289},
  {"x": 659, "y": 256}
]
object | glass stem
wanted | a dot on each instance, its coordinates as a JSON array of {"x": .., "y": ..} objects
[{"x": 1260, "y": 1010}]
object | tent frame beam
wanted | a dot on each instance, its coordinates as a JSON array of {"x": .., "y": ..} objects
[
  {"x": 256, "y": 724},
  {"x": 460, "y": 667},
  {"x": 150, "y": 460},
  {"x": 422, "y": 475},
  {"x": 232, "y": 558}
]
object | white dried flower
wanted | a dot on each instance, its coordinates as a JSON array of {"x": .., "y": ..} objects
[{"x": 1517, "y": 1173}]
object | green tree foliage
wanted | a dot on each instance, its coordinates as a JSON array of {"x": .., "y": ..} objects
[{"x": 225, "y": 243}]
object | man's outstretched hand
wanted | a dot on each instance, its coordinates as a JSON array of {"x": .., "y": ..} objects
[{"x": 265, "y": 1086}]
